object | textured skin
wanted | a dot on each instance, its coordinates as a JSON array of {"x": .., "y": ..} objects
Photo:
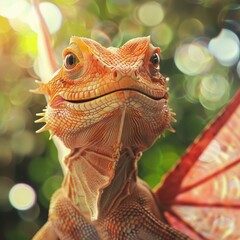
[{"x": 106, "y": 106}]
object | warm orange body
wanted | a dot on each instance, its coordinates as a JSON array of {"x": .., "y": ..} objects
[{"x": 106, "y": 106}]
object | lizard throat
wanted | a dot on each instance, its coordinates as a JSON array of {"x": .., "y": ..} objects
[{"x": 108, "y": 184}]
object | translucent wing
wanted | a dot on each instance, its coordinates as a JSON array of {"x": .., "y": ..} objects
[
  {"x": 47, "y": 66},
  {"x": 201, "y": 196}
]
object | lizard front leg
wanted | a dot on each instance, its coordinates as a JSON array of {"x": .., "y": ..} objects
[
  {"x": 65, "y": 222},
  {"x": 46, "y": 232},
  {"x": 137, "y": 218}
]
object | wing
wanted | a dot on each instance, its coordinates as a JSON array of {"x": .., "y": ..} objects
[
  {"x": 201, "y": 196},
  {"x": 47, "y": 66}
]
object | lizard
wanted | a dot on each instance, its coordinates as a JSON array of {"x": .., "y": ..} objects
[{"x": 107, "y": 105}]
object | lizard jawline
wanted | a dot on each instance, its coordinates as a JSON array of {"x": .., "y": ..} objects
[{"x": 165, "y": 96}]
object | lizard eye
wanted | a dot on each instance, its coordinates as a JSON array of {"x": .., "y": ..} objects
[
  {"x": 70, "y": 61},
  {"x": 155, "y": 60},
  {"x": 154, "y": 65}
]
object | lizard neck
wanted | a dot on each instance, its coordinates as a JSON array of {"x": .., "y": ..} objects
[{"x": 96, "y": 180}]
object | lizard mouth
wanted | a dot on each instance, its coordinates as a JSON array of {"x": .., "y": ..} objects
[{"x": 157, "y": 98}]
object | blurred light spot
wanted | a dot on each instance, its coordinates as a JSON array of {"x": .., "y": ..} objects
[
  {"x": 19, "y": 25},
  {"x": 23, "y": 142},
  {"x": 15, "y": 120},
  {"x": 20, "y": 22},
  {"x": 177, "y": 91},
  {"x": 129, "y": 27},
  {"x": 190, "y": 28},
  {"x": 5, "y": 186},
  {"x": 214, "y": 91},
  {"x": 12, "y": 8},
  {"x": 117, "y": 40},
  {"x": 51, "y": 185},
  {"x": 19, "y": 96},
  {"x": 126, "y": 36},
  {"x": 104, "y": 32},
  {"x": 51, "y": 14},
  {"x": 150, "y": 13},
  {"x": 162, "y": 35},
  {"x": 127, "y": 24},
  {"x": 192, "y": 88},
  {"x": 193, "y": 58},
  {"x": 93, "y": 8},
  {"x": 22, "y": 196},
  {"x": 225, "y": 47},
  {"x": 101, "y": 37},
  {"x": 24, "y": 60}
]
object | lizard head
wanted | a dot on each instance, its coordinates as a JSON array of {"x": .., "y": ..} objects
[{"x": 100, "y": 94}]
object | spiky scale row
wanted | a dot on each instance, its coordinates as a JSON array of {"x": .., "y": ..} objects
[
  {"x": 170, "y": 128},
  {"x": 41, "y": 89},
  {"x": 43, "y": 129},
  {"x": 40, "y": 114},
  {"x": 46, "y": 126},
  {"x": 40, "y": 120}
]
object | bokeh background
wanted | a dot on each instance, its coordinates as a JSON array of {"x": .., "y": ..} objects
[{"x": 200, "y": 53}]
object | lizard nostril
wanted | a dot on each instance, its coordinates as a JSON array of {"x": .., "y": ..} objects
[{"x": 115, "y": 74}]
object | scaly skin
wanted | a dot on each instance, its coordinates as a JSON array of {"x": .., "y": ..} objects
[{"x": 107, "y": 106}]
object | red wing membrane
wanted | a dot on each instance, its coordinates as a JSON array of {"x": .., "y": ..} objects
[{"x": 201, "y": 196}]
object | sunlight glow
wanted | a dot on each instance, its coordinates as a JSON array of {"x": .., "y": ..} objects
[
  {"x": 192, "y": 58},
  {"x": 191, "y": 27},
  {"x": 225, "y": 47},
  {"x": 162, "y": 35},
  {"x": 151, "y": 13},
  {"x": 51, "y": 14},
  {"x": 214, "y": 91},
  {"x": 12, "y": 8},
  {"x": 22, "y": 196}
]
